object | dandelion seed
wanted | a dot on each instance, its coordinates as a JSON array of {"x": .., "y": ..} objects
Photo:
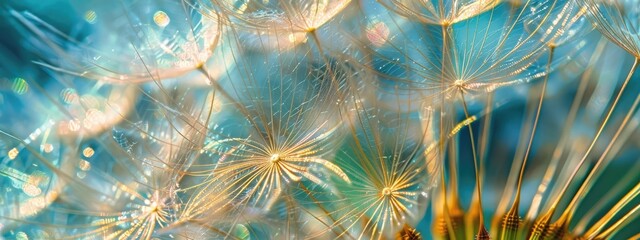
[{"x": 385, "y": 163}]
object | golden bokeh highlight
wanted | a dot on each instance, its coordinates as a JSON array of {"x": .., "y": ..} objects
[
  {"x": 161, "y": 19},
  {"x": 88, "y": 152},
  {"x": 13, "y": 153},
  {"x": 90, "y": 16}
]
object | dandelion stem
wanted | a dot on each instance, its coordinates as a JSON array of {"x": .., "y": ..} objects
[
  {"x": 482, "y": 154},
  {"x": 515, "y": 167},
  {"x": 511, "y": 230},
  {"x": 450, "y": 227},
  {"x": 606, "y": 200},
  {"x": 453, "y": 172},
  {"x": 475, "y": 164},
  {"x": 555, "y": 159},
  {"x": 534, "y": 128},
  {"x": 484, "y": 142}
]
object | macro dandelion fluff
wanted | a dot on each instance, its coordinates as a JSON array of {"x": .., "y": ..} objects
[
  {"x": 319, "y": 119},
  {"x": 391, "y": 181},
  {"x": 471, "y": 56},
  {"x": 283, "y": 131},
  {"x": 550, "y": 211},
  {"x": 157, "y": 40},
  {"x": 474, "y": 55},
  {"x": 127, "y": 181}
]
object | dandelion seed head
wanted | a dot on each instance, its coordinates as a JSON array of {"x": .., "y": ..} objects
[
  {"x": 459, "y": 83},
  {"x": 387, "y": 181},
  {"x": 172, "y": 42}
]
